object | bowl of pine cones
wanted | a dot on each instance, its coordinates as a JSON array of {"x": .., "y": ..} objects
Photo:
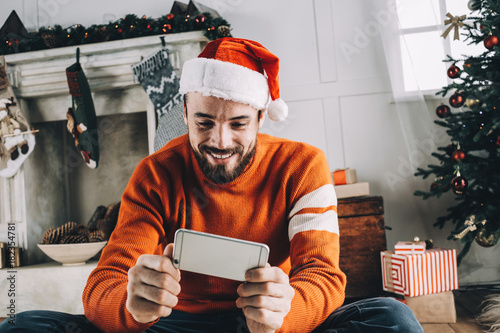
[{"x": 74, "y": 244}]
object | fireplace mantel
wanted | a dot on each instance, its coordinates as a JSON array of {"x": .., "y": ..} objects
[{"x": 49, "y": 185}]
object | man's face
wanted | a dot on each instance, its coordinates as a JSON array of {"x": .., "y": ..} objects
[{"x": 223, "y": 135}]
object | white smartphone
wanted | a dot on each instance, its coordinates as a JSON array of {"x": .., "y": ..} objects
[{"x": 220, "y": 256}]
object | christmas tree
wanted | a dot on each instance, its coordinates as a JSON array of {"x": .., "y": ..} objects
[{"x": 470, "y": 165}]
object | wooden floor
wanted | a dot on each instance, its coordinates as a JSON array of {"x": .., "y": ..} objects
[{"x": 468, "y": 304}]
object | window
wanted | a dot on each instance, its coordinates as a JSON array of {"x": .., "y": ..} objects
[{"x": 422, "y": 47}]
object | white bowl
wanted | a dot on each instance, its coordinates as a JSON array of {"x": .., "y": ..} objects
[{"x": 72, "y": 254}]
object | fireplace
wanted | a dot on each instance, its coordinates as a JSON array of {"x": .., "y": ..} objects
[{"x": 54, "y": 185}]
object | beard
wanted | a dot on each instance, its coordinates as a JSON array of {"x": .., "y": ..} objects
[{"x": 219, "y": 174}]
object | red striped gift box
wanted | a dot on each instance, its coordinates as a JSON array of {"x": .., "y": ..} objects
[{"x": 431, "y": 271}]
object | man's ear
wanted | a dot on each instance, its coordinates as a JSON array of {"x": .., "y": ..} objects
[
  {"x": 184, "y": 113},
  {"x": 261, "y": 119}
]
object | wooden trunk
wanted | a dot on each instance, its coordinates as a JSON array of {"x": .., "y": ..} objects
[{"x": 362, "y": 237}]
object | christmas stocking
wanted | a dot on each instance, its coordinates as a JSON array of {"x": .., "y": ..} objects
[
  {"x": 82, "y": 121},
  {"x": 16, "y": 139},
  {"x": 157, "y": 77}
]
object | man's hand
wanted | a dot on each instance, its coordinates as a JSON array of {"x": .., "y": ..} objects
[
  {"x": 265, "y": 298},
  {"x": 153, "y": 286}
]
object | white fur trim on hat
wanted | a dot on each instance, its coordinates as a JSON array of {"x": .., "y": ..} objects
[{"x": 226, "y": 80}]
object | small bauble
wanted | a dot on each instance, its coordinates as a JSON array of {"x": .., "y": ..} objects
[
  {"x": 472, "y": 103},
  {"x": 490, "y": 42},
  {"x": 474, "y": 5},
  {"x": 200, "y": 19},
  {"x": 443, "y": 111},
  {"x": 459, "y": 185},
  {"x": 486, "y": 238},
  {"x": 458, "y": 155},
  {"x": 170, "y": 16},
  {"x": 450, "y": 149},
  {"x": 457, "y": 100},
  {"x": 453, "y": 72}
]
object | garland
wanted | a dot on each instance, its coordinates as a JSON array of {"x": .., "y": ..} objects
[{"x": 129, "y": 26}]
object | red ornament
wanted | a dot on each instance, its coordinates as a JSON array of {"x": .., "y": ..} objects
[
  {"x": 453, "y": 72},
  {"x": 200, "y": 19},
  {"x": 498, "y": 141},
  {"x": 170, "y": 16},
  {"x": 458, "y": 155},
  {"x": 457, "y": 100},
  {"x": 459, "y": 185},
  {"x": 490, "y": 41},
  {"x": 443, "y": 111}
]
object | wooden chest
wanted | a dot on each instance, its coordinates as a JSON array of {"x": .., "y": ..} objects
[{"x": 362, "y": 237}]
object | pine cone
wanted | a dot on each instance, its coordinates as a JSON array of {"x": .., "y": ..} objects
[
  {"x": 67, "y": 228},
  {"x": 224, "y": 31},
  {"x": 73, "y": 239},
  {"x": 51, "y": 40},
  {"x": 97, "y": 236},
  {"x": 47, "y": 236},
  {"x": 55, "y": 236}
]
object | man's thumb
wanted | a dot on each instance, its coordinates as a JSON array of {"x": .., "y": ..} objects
[{"x": 169, "y": 250}]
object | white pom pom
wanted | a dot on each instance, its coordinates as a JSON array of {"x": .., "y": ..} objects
[{"x": 277, "y": 110}]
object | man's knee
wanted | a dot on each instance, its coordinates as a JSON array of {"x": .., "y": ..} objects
[{"x": 397, "y": 313}]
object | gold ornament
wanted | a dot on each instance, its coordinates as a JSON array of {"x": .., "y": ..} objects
[
  {"x": 486, "y": 238},
  {"x": 455, "y": 22},
  {"x": 470, "y": 102}
]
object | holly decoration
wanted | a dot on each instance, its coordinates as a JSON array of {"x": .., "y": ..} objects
[
  {"x": 457, "y": 99},
  {"x": 453, "y": 72},
  {"x": 490, "y": 42},
  {"x": 443, "y": 111}
]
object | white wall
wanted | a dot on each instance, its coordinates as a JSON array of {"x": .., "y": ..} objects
[{"x": 338, "y": 102}]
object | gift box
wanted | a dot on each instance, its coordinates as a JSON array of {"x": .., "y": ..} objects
[
  {"x": 433, "y": 308},
  {"x": 409, "y": 247},
  {"x": 431, "y": 271},
  {"x": 344, "y": 176}
]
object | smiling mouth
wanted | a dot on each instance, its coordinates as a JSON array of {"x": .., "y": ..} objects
[{"x": 221, "y": 156}]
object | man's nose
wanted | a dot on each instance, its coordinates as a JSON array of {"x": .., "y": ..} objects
[{"x": 222, "y": 137}]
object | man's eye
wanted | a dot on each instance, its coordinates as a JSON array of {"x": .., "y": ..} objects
[
  {"x": 239, "y": 125},
  {"x": 205, "y": 124}
]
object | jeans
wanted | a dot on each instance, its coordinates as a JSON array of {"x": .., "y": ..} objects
[{"x": 368, "y": 315}]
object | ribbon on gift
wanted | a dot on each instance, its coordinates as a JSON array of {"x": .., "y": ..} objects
[{"x": 455, "y": 22}]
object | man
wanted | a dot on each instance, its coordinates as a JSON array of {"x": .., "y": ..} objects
[{"x": 225, "y": 178}]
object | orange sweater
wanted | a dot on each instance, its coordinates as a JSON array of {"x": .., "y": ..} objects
[{"x": 284, "y": 198}]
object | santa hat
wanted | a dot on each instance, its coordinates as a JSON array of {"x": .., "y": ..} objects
[{"x": 239, "y": 70}]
